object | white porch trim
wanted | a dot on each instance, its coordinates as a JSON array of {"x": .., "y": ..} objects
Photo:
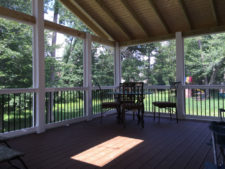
[
  {"x": 117, "y": 65},
  {"x": 39, "y": 64},
  {"x": 180, "y": 74},
  {"x": 88, "y": 76}
]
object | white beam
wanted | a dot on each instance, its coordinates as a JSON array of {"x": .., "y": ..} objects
[
  {"x": 39, "y": 64},
  {"x": 180, "y": 74},
  {"x": 88, "y": 76},
  {"x": 117, "y": 65}
]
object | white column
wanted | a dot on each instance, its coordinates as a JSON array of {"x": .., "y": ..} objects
[
  {"x": 117, "y": 65},
  {"x": 39, "y": 64},
  {"x": 180, "y": 74},
  {"x": 88, "y": 76}
]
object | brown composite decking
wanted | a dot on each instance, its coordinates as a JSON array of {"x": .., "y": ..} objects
[{"x": 165, "y": 145}]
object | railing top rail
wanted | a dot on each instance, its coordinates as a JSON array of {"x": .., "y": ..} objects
[
  {"x": 204, "y": 86},
  {"x": 157, "y": 87},
  {"x": 104, "y": 87},
  {"x": 66, "y": 89},
  {"x": 14, "y": 91},
  {"x": 187, "y": 86}
]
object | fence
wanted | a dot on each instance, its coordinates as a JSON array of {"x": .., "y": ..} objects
[{"x": 17, "y": 106}]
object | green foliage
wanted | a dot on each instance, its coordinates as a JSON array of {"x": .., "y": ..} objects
[
  {"x": 15, "y": 55},
  {"x": 205, "y": 59},
  {"x": 153, "y": 63},
  {"x": 103, "y": 64},
  {"x": 17, "y": 5}
]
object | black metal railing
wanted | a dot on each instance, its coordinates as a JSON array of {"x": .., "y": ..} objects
[
  {"x": 63, "y": 105},
  {"x": 105, "y": 94},
  {"x": 17, "y": 111},
  {"x": 204, "y": 101}
]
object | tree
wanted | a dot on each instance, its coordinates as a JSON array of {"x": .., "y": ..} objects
[
  {"x": 205, "y": 59},
  {"x": 15, "y": 55}
]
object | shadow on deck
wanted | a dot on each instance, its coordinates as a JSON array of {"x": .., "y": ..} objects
[{"x": 163, "y": 145}]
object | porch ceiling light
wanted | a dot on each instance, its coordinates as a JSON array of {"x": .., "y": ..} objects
[{"x": 107, "y": 151}]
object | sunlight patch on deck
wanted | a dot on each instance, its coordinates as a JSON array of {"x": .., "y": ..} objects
[{"x": 107, "y": 151}]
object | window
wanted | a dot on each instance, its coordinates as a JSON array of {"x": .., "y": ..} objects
[
  {"x": 15, "y": 54},
  {"x": 205, "y": 59},
  {"x": 56, "y": 12},
  {"x": 103, "y": 64},
  {"x": 153, "y": 63},
  {"x": 63, "y": 60}
]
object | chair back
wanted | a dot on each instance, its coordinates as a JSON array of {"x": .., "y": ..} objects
[
  {"x": 139, "y": 90},
  {"x": 132, "y": 92},
  {"x": 172, "y": 93}
]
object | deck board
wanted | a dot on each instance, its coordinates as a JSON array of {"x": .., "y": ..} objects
[{"x": 165, "y": 145}]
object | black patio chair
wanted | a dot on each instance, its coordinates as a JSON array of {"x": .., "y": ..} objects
[
  {"x": 218, "y": 145},
  {"x": 107, "y": 105},
  {"x": 7, "y": 154},
  {"x": 171, "y": 103},
  {"x": 132, "y": 98},
  {"x": 221, "y": 114}
]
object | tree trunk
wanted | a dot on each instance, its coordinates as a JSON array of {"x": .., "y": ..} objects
[{"x": 53, "y": 55}]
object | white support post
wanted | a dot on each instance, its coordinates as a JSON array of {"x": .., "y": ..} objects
[
  {"x": 180, "y": 74},
  {"x": 39, "y": 64},
  {"x": 117, "y": 65},
  {"x": 88, "y": 76}
]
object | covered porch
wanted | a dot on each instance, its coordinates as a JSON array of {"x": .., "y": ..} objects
[{"x": 54, "y": 124}]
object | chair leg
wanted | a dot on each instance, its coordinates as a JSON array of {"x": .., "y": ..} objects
[
  {"x": 138, "y": 116},
  {"x": 101, "y": 115},
  {"x": 142, "y": 117},
  {"x": 118, "y": 115},
  {"x": 154, "y": 113},
  {"x": 170, "y": 111},
  {"x": 176, "y": 115},
  {"x": 159, "y": 116},
  {"x": 25, "y": 166},
  {"x": 123, "y": 118}
]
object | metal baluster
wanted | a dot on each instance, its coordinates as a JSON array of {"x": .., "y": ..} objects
[
  {"x": 8, "y": 112},
  {"x": 14, "y": 110},
  {"x": 25, "y": 109}
]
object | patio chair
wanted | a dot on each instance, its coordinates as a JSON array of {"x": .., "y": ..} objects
[
  {"x": 218, "y": 144},
  {"x": 108, "y": 105},
  {"x": 132, "y": 99},
  {"x": 7, "y": 154},
  {"x": 221, "y": 114},
  {"x": 171, "y": 103}
]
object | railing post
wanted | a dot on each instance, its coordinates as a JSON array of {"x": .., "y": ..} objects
[
  {"x": 39, "y": 64},
  {"x": 117, "y": 65},
  {"x": 88, "y": 76},
  {"x": 180, "y": 74}
]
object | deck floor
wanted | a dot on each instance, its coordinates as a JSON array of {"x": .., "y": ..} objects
[{"x": 164, "y": 145}]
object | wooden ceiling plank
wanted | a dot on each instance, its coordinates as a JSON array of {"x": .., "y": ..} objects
[
  {"x": 114, "y": 18},
  {"x": 184, "y": 10},
  {"x": 84, "y": 18},
  {"x": 135, "y": 16},
  {"x": 102, "y": 41},
  {"x": 189, "y": 33},
  {"x": 147, "y": 40},
  {"x": 156, "y": 11},
  {"x": 101, "y": 27},
  {"x": 213, "y": 9}
]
